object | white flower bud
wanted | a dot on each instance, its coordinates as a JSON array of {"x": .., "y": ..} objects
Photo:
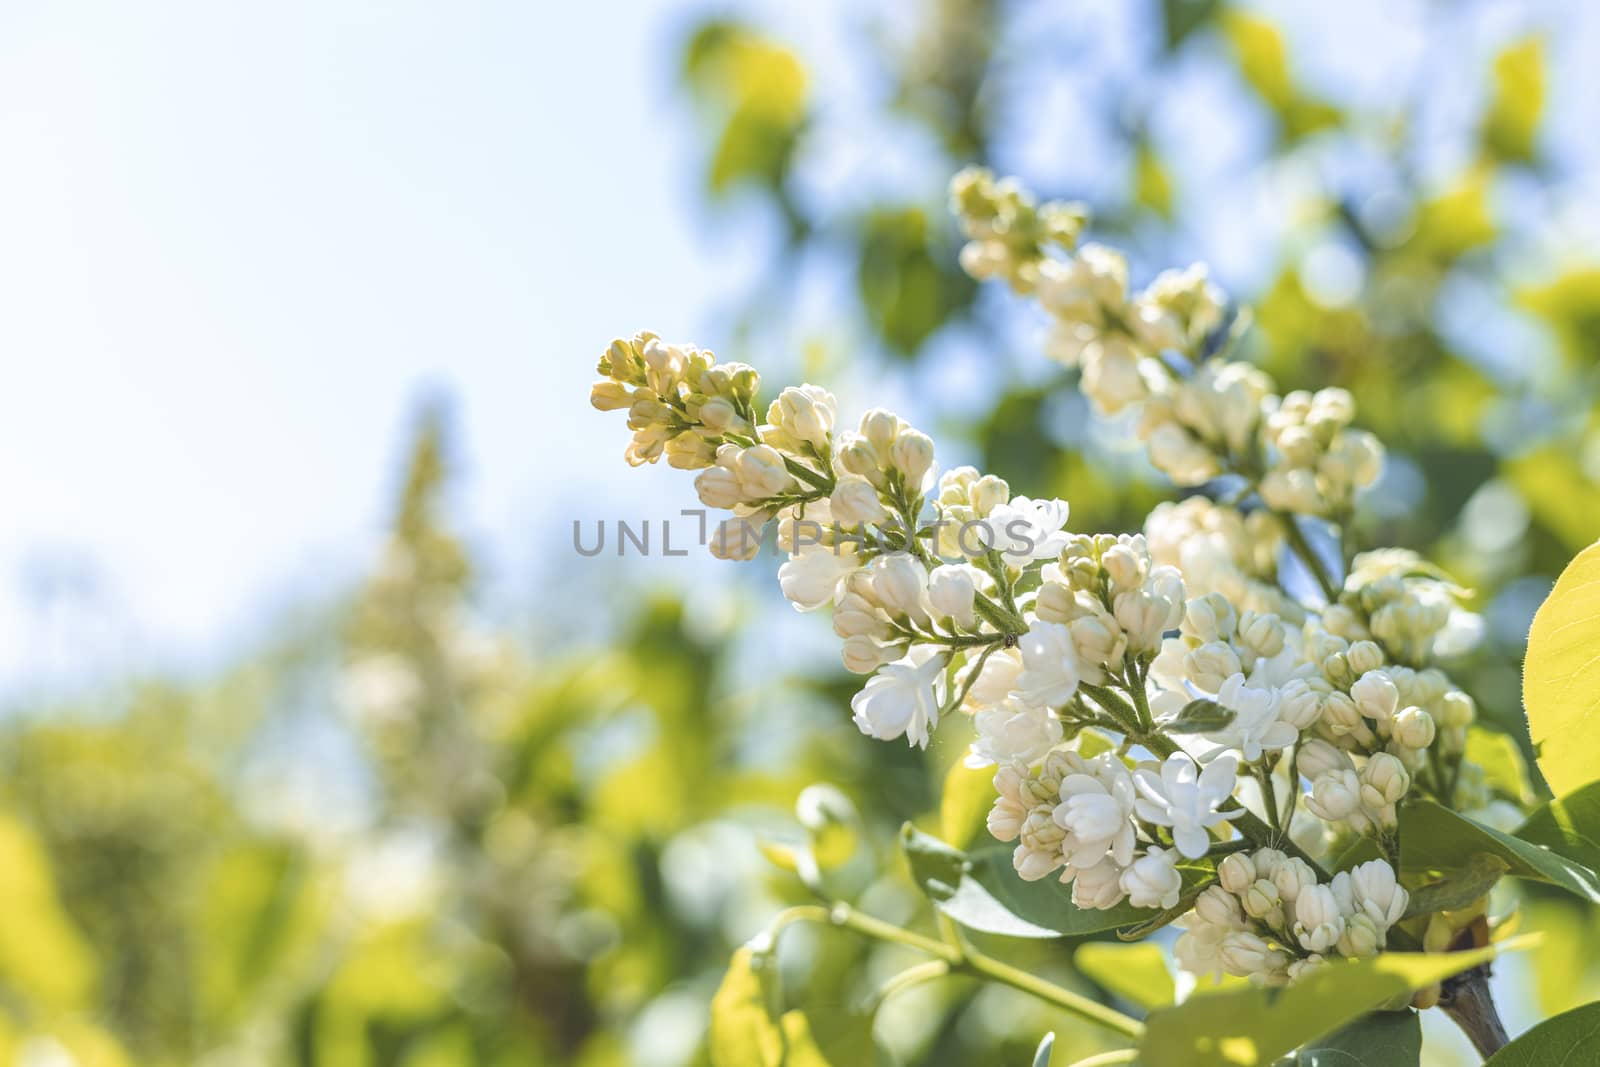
[
  {"x": 1245, "y": 954},
  {"x": 1210, "y": 665},
  {"x": 1457, "y": 710},
  {"x": 1267, "y": 861},
  {"x": 1317, "y": 757},
  {"x": 863, "y": 655},
  {"x": 1384, "y": 781},
  {"x": 718, "y": 487},
  {"x": 1098, "y": 641},
  {"x": 1123, "y": 568},
  {"x": 1262, "y": 634},
  {"x": 805, "y": 413},
  {"x": 1340, "y": 714},
  {"x": 1335, "y": 795},
  {"x": 988, "y": 493},
  {"x": 912, "y": 455},
  {"x": 951, "y": 593},
  {"x": 1236, "y": 872},
  {"x": 1299, "y": 704},
  {"x": 1291, "y": 876},
  {"x": 1263, "y": 901},
  {"x": 1210, "y": 618},
  {"x": 1153, "y": 880},
  {"x": 1318, "y": 923},
  {"x": 762, "y": 473},
  {"x": 1219, "y": 907},
  {"x": 812, "y": 579},
  {"x": 900, "y": 582},
  {"x": 1364, "y": 656},
  {"x": 880, "y": 428},
  {"x": 855, "y": 502},
  {"x": 1414, "y": 728},
  {"x": 1361, "y": 937},
  {"x": 856, "y": 455},
  {"x": 1098, "y": 887},
  {"x": 1377, "y": 894},
  {"x": 856, "y": 615},
  {"x": 1374, "y": 694},
  {"x": 738, "y": 538}
]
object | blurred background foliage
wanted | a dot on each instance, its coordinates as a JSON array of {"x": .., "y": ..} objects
[{"x": 402, "y": 834}]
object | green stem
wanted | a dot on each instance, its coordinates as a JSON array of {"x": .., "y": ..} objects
[
  {"x": 1108, "y": 1059},
  {"x": 960, "y": 960}
]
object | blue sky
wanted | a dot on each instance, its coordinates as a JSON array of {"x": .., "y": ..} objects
[
  {"x": 241, "y": 242},
  {"x": 238, "y": 243}
]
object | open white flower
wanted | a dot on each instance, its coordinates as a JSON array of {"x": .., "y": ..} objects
[
  {"x": 1186, "y": 798},
  {"x": 1256, "y": 726},
  {"x": 1013, "y": 733},
  {"x": 813, "y": 578},
  {"x": 1153, "y": 881},
  {"x": 902, "y": 698},
  {"x": 1096, "y": 810},
  {"x": 1025, "y": 529},
  {"x": 1049, "y": 675}
]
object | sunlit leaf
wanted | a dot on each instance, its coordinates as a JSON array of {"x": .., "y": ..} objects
[
  {"x": 1137, "y": 973},
  {"x": 1561, "y": 677},
  {"x": 964, "y": 805},
  {"x": 1504, "y": 770},
  {"x": 1253, "y": 1027}
]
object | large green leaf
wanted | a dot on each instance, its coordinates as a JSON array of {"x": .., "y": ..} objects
[
  {"x": 1136, "y": 973},
  {"x": 1569, "y": 825},
  {"x": 982, "y": 891},
  {"x": 1254, "y": 1027},
  {"x": 1382, "y": 1039},
  {"x": 1561, "y": 677},
  {"x": 1569, "y": 1040},
  {"x": 1435, "y": 838}
]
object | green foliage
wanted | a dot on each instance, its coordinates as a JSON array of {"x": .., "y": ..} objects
[
  {"x": 1567, "y": 1039},
  {"x": 1561, "y": 682},
  {"x": 1136, "y": 973},
  {"x": 1434, "y": 838},
  {"x": 1256, "y": 1026},
  {"x": 1382, "y": 1039}
]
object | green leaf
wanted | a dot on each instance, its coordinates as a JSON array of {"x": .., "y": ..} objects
[
  {"x": 983, "y": 892},
  {"x": 1254, "y": 1027},
  {"x": 1569, "y": 825},
  {"x": 1568, "y": 1039},
  {"x": 1382, "y": 1039},
  {"x": 1467, "y": 886},
  {"x": 1504, "y": 770},
  {"x": 1561, "y": 677},
  {"x": 1435, "y": 838},
  {"x": 964, "y": 806},
  {"x": 1136, "y": 973},
  {"x": 1201, "y": 717}
]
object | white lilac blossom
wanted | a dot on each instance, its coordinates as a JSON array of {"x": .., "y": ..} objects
[
  {"x": 1012, "y": 733},
  {"x": 1049, "y": 676},
  {"x": 1186, "y": 799},
  {"x": 948, "y": 591},
  {"x": 901, "y": 699}
]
